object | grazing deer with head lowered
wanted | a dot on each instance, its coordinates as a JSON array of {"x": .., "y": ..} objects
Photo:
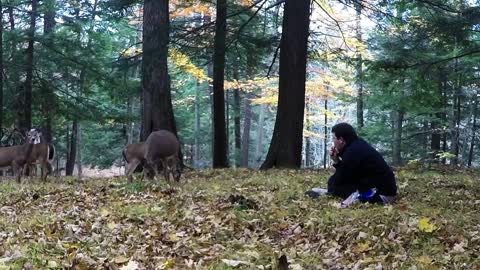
[
  {"x": 160, "y": 148},
  {"x": 133, "y": 154},
  {"x": 42, "y": 153},
  {"x": 16, "y": 156}
]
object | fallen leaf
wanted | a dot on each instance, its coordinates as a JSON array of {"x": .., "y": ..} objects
[
  {"x": 120, "y": 260},
  {"x": 132, "y": 265},
  {"x": 234, "y": 263},
  {"x": 425, "y": 225}
]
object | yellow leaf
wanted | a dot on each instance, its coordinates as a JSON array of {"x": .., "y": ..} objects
[
  {"x": 173, "y": 237},
  {"x": 168, "y": 264},
  {"x": 361, "y": 247},
  {"x": 111, "y": 225},
  {"x": 424, "y": 225},
  {"x": 424, "y": 259},
  {"x": 120, "y": 260},
  {"x": 104, "y": 212},
  {"x": 70, "y": 246}
]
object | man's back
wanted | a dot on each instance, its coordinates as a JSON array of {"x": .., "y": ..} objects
[{"x": 364, "y": 167}]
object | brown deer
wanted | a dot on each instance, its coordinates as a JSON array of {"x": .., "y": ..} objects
[
  {"x": 42, "y": 153},
  {"x": 133, "y": 154},
  {"x": 16, "y": 156},
  {"x": 161, "y": 148}
]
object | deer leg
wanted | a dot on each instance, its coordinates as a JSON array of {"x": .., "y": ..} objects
[
  {"x": 49, "y": 167},
  {"x": 165, "y": 169},
  {"x": 17, "y": 171},
  {"x": 43, "y": 168}
]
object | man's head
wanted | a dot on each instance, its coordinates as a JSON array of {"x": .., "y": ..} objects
[{"x": 343, "y": 134}]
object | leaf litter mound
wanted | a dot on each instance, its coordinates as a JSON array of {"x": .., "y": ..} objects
[{"x": 239, "y": 219}]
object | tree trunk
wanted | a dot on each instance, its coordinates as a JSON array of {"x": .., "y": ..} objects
[
  {"x": 359, "y": 62},
  {"x": 157, "y": 103},
  {"x": 474, "y": 130},
  {"x": 79, "y": 151},
  {"x": 308, "y": 155},
  {"x": 286, "y": 146},
  {"x": 435, "y": 124},
  {"x": 1, "y": 68},
  {"x": 14, "y": 77},
  {"x": 455, "y": 121},
  {"x": 48, "y": 27},
  {"x": 236, "y": 123},
  {"x": 325, "y": 133},
  {"x": 247, "y": 121},
  {"x": 72, "y": 154},
  {"x": 397, "y": 137},
  {"x": 196, "y": 149},
  {"x": 259, "y": 141},
  {"x": 227, "y": 124},
  {"x": 27, "y": 124},
  {"x": 219, "y": 131},
  {"x": 129, "y": 123}
]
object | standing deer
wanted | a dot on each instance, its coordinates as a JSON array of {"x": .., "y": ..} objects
[
  {"x": 42, "y": 153},
  {"x": 160, "y": 148},
  {"x": 16, "y": 156}
]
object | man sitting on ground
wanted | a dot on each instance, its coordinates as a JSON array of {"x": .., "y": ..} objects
[{"x": 360, "y": 171}]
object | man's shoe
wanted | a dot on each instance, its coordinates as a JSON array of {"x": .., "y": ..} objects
[{"x": 312, "y": 194}]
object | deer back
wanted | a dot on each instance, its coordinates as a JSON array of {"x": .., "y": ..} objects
[{"x": 161, "y": 144}]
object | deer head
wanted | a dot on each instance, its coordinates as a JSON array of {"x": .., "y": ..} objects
[{"x": 33, "y": 136}]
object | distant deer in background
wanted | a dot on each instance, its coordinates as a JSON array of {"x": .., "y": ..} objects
[
  {"x": 160, "y": 148},
  {"x": 42, "y": 154},
  {"x": 16, "y": 156}
]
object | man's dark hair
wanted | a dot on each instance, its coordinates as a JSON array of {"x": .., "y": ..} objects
[{"x": 345, "y": 131}]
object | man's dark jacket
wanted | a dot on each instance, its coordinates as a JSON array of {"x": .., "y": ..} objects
[{"x": 360, "y": 168}]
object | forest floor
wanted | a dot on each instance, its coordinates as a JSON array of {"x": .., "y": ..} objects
[{"x": 239, "y": 219}]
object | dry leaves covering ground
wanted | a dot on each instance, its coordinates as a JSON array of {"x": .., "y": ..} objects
[{"x": 239, "y": 219}]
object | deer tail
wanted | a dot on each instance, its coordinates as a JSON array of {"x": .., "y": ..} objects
[
  {"x": 124, "y": 156},
  {"x": 51, "y": 151}
]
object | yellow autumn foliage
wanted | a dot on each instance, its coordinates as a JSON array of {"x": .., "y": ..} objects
[{"x": 425, "y": 225}]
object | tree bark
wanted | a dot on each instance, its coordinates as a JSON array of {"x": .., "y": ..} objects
[
  {"x": 259, "y": 141},
  {"x": 219, "y": 130},
  {"x": 79, "y": 152},
  {"x": 1, "y": 68},
  {"x": 48, "y": 27},
  {"x": 196, "y": 149},
  {"x": 397, "y": 137},
  {"x": 129, "y": 123},
  {"x": 359, "y": 62},
  {"x": 455, "y": 121},
  {"x": 325, "y": 133},
  {"x": 435, "y": 124},
  {"x": 27, "y": 124},
  {"x": 236, "y": 123},
  {"x": 286, "y": 145},
  {"x": 308, "y": 145},
  {"x": 157, "y": 110},
  {"x": 474, "y": 130},
  {"x": 247, "y": 122},
  {"x": 72, "y": 154}
]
